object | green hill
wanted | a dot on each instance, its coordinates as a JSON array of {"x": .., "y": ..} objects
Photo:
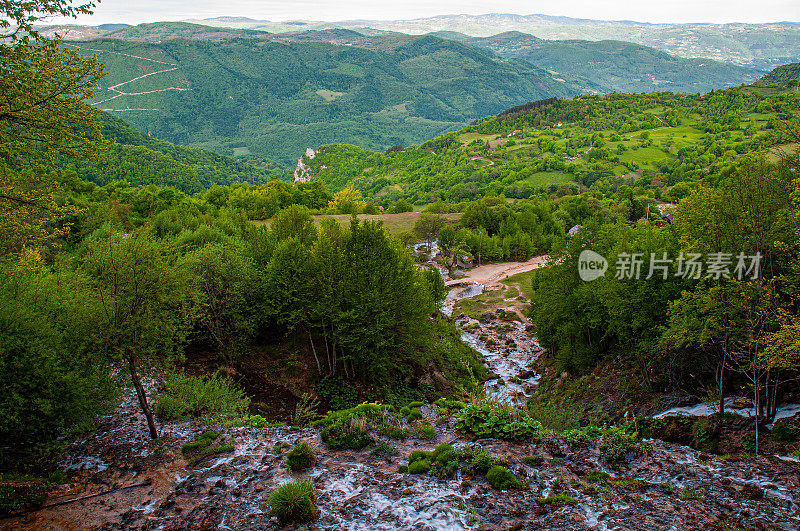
[
  {"x": 782, "y": 74},
  {"x": 654, "y": 140},
  {"x": 275, "y": 97},
  {"x": 618, "y": 66},
  {"x": 141, "y": 160}
]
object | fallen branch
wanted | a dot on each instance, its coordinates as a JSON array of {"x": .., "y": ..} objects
[{"x": 65, "y": 502}]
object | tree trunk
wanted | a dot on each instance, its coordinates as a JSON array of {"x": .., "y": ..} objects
[
  {"x": 137, "y": 384},
  {"x": 314, "y": 350}
]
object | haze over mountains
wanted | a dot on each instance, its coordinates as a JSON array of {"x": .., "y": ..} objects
[{"x": 760, "y": 46}]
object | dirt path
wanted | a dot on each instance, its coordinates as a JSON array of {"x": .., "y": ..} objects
[{"x": 490, "y": 274}]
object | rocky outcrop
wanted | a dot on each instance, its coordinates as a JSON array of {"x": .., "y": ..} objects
[{"x": 302, "y": 173}]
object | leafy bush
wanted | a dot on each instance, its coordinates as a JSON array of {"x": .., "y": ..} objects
[
  {"x": 414, "y": 414},
  {"x": 306, "y": 411},
  {"x": 449, "y": 404},
  {"x": 615, "y": 444},
  {"x": 419, "y": 467},
  {"x": 347, "y": 433},
  {"x": 501, "y": 421},
  {"x": 425, "y": 430},
  {"x": 502, "y": 478},
  {"x": 416, "y": 404},
  {"x": 444, "y": 460},
  {"x": 294, "y": 502},
  {"x": 749, "y": 442},
  {"x": 169, "y": 408},
  {"x": 301, "y": 457},
  {"x": 383, "y": 449},
  {"x": 18, "y": 493},
  {"x": 197, "y": 396},
  {"x": 479, "y": 460},
  {"x": 350, "y": 428}
]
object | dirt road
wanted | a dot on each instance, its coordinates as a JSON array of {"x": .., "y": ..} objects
[{"x": 493, "y": 273}]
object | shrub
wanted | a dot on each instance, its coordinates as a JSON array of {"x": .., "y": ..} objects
[
  {"x": 419, "y": 467},
  {"x": 596, "y": 476},
  {"x": 403, "y": 469},
  {"x": 301, "y": 457},
  {"x": 786, "y": 431},
  {"x": 199, "y": 396},
  {"x": 479, "y": 460},
  {"x": 425, "y": 430},
  {"x": 294, "y": 502},
  {"x": 202, "y": 447},
  {"x": 347, "y": 433},
  {"x": 497, "y": 420},
  {"x": 749, "y": 442},
  {"x": 449, "y": 404},
  {"x": 616, "y": 444},
  {"x": 415, "y": 404},
  {"x": 557, "y": 499},
  {"x": 18, "y": 493},
  {"x": 169, "y": 408},
  {"x": 383, "y": 449},
  {"x": 444, "y": 460},
  {"x": 417, "y": 455},
  {"x": 502, "y": 478},
  {"x": 414, "y": 414}
]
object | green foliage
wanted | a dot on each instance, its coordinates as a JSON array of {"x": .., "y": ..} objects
[
  {"x": 383, "y": 449},
  {"x": 306, "y": 411},
  {"x": 616, "y": 444},
  {"x": 54, "y": 379},
  {"x": 288, "y": 99},
  {"x": 300, "y": 457},
  {"x": 203, "y": 447},
  {"x": 294, "y": 502},
  {"x": 207, "y": 397},
  {"x": 349, "y": 428},
  {"x": 420, "y": 466},
  {"x": 444, "y": 460},
  {"x": 786, "y": 430},
  {"x": 425, "y": 430},
  {"x": 497, "y": 420},
  {"x": 596, "y": 476},
  {"x": 502, "y": 478},
  {"x": 18, "y": 493},
  {"x": 749, "y": 442},
  {"x": 338, "y": 394},
  {"x": 478, "y": 460},
  {"x": 559, "y": 499}
]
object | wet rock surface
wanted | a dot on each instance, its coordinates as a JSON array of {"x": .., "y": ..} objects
[
  {"x": 677, "y": 488},
  {"x": 668, "y": 486}
]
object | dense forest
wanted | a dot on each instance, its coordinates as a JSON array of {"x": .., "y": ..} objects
[{"x": 275, "y": 97}]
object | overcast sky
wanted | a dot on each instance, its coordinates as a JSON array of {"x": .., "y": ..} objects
[{"x": 136, "y": 11}]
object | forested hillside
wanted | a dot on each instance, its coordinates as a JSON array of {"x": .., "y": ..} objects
[
  {"x": 274, "y": 98},
  {"x": 617, "y": 66},
  {"x": 658, "y": 139},
  {"x": 141, "y": 160}
]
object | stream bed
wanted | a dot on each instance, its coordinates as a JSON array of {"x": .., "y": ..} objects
[{"x": 666, "y": 487}]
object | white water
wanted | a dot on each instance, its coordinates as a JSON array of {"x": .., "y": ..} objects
[{"x": 706, "y": 409}]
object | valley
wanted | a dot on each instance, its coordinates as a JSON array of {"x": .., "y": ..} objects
[{"x": 528, "y": 272}]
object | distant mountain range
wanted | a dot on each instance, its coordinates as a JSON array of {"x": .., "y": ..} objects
[{"x": 761, "y": 46}]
